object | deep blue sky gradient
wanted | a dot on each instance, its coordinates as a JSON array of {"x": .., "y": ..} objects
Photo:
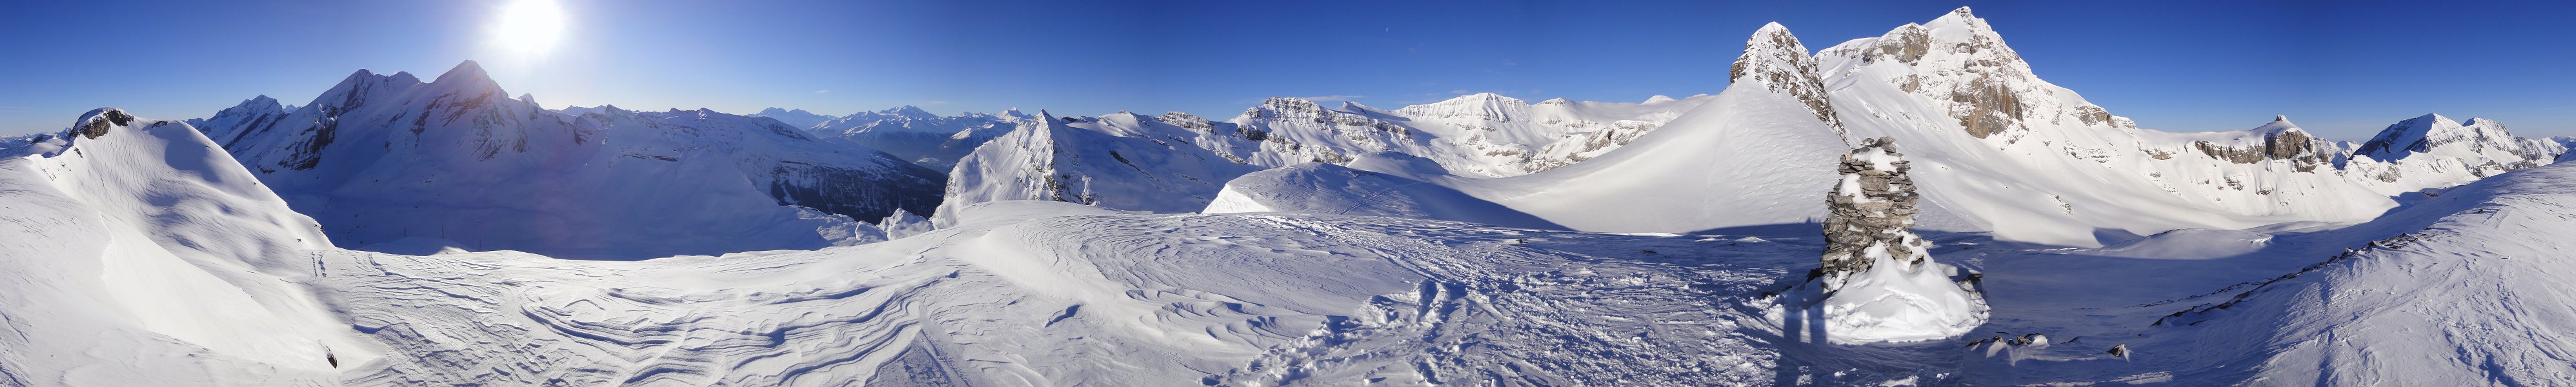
[{"x": 2343, "y": 69}]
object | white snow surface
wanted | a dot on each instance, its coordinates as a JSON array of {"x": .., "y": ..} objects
[
  {"x": 135, "y": 252},
  {"x": 1334, "y": 189},
  {"x": 1009, "y": 293}
]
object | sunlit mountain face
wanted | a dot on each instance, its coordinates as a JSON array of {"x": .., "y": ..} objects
[{"x": 1328, "y": 194}]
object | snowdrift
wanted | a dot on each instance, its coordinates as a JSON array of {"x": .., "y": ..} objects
[{"x": 1333, "y": 189}]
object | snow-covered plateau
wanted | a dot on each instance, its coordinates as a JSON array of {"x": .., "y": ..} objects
[{"x": 1911, "y": 209}]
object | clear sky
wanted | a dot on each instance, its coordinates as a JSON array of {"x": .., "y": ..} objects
[{"x": 2342, "y": 69}]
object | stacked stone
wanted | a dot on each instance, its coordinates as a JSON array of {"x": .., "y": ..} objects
[{"x": 1870, "y": 206}]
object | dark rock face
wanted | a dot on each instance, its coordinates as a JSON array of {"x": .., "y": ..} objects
[
  {"x": 1871, "y": 208},
  {"x": 1992, "y": 106},
  {"x": 109, "y": 120},
  {"x": 2297, "y": 146},
  {"x": 858, "y": 194}
]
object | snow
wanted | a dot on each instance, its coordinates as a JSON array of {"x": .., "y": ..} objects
[
  {"x": 1333, "y": 189},
  {"x": 383, "y": 158},
  {"x": 135, "y": 252},
  {"x": 1292, "y": 245}
]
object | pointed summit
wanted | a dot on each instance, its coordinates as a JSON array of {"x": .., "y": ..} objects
[
  {"x": 261, "y": 104},
  {"x": 467, "y": 72},
  {"x": 1775, "y": 61}
]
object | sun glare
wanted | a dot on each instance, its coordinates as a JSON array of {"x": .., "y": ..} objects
[{"x": 528, "y": 27}]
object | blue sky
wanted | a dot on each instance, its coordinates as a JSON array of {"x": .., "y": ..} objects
[{"x": 2343, "y": 69}]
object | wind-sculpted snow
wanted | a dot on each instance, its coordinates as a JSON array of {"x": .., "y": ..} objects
[
  {"x": 380, "y": 159},
  {"x": 1091, "y": 297}
]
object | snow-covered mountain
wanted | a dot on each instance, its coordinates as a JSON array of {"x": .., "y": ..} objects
[
  {"x": 382, "y": 158},
  {"x": 796, "y": 117},
  {"x": 1999, "y": 150},
  {"x": 1121, "y": 161},
  {"x": 1475, "y": 135},
  {"x": 2479, "y": 146},
  {"x": 1754, "y": 155},
  {"x": 927, "y": 139},
  {"x": 136, "y": 252}
]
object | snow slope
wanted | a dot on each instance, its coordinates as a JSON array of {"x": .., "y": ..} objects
[
  {"x": 2035, "y": 162},
  {"x": 380, "y": 159},
  {"x": 135, "y": 252},
  {"x": 1754, "y": 155},
  {"x": 1335, "y": 189}
]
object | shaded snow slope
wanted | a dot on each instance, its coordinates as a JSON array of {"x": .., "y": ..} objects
[
  {"x": 135, "y": 252},
  {"x": 1334, "y": 189},
  {"x": 383, "y": 158}
]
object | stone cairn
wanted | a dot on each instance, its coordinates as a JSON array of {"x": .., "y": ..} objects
[{"x": 1872, "y": 207}]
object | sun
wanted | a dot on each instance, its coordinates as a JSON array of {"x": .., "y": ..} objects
[{"x": 528, "y": 27}]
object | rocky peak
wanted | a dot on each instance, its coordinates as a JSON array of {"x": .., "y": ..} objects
[
  {"x": 2475, "y": 139},
  {"x": 363, "y": 86},
  {"x": 1187, "y": 121},
  {"x": 469, "y": 77},
  {"x": 1775, "y": 61},
  {"x": 1870, "y": 213},
  {"x": 98, "y": 122},
  {"x": 1285, "y": 107},
  {"x": 259, "y": 104}
]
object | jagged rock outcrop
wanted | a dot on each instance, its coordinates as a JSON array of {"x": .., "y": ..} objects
[
  {"x": 1871, "y": 208},
  {"x": 1775, "y": 60}
]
